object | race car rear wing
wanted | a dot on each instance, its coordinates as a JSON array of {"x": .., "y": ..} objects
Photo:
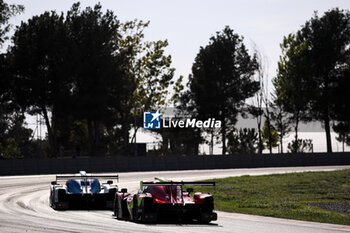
[
  {"x": 173, "y": 183},
  {"x": 66, "y": 177}
]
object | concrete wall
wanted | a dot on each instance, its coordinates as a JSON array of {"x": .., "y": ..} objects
[{"x": 124, "y": 164}]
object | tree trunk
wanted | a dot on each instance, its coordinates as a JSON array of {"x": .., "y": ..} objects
[
  {"x": 211, "y": 148},
  {"x": 223, "y": 133},
  {"x": 281, "y": 129},
  {"x": 260, "y": 149},
  {"x": 326, "y": 115},
  {"x": 270, "y": 137},
  {"x": 125, "y": 136},
  {"x": 328, "y": 133},
  {"x": 268, "y": 125},
  {"x": 54, "y": 131},
  {"x": 296, "y": 146},
  {"x": 53, "y": 150},
  {"x": 196, "y": 142},
  {"x": 281, "y": 140}
]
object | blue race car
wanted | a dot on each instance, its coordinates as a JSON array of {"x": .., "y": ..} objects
[{"x": 83, "y": 191}]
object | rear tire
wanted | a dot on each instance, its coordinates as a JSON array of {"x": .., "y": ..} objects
[
  {"x": 60, "y": 206},
  {"x": 206, "y": 217},
  {"x": 135, "y": 216},
  {"x": 116, "y": 208}
]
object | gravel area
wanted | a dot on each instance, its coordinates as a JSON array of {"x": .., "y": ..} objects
[{"x": 342, "y": 207}]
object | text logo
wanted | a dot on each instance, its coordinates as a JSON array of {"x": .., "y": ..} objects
[{"x": 151, "y": 120}]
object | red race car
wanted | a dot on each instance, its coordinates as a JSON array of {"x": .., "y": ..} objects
[{"x": 162, "y": 200}]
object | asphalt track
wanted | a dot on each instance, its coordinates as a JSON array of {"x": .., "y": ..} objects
[{"x": 24, "y": 207}]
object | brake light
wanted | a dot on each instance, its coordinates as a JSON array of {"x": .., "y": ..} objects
[
  {"x": 157, "y": 200},
  {"x": 199, "y": 200}
]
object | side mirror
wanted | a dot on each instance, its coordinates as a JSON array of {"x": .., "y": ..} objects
[
  {"x": 124, "y": 190},
  {"x": 109, "y": 181},
  {"x": 189, "y": 190},
  {"x": 53, "y": 182}
]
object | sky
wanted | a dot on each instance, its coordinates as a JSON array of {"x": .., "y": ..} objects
[{"x": 188, "y": 24}]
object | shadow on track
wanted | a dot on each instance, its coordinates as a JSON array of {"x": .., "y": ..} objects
[{"x": 172, "y": 223}]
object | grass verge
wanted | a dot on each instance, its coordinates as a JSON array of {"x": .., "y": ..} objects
[{"x": 285, "y": 195}]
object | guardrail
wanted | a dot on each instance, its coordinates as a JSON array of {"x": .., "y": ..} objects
[{"x": 150, "y": 163}]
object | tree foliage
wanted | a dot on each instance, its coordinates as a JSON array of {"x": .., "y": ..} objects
[
  {"x": 39, "y": 58},
  {"x": 66, "y": 67},
  {"x": 148, "y": 70},
  {"x": 269, "y": 136},
  {"x": 317, "y": 56},
  {"x": 301, "y": 146},
  {"x": 343, "y": 131},
  {"x": 6, "y": 12},
  {"x": 84, "y": 72},
  {"x": 256, "y": 108},
  {"x": 185, "y": 107},
  {"x": 221, "y": 79},
  {"x": 280, "y": 120},
  {"x": 149, "y": 66},
  {"x": 97, "y": 77},
  {"x": 293, "y": 88},
  {"x": 14, "y": 137},
  {"x": 242, "y": 141}
]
